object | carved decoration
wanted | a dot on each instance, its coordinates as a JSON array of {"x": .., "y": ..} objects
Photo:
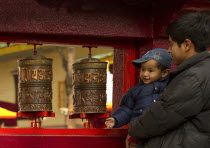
[
  {"x": 89, "y": 87},
  {"x": 34, "y": 85}
]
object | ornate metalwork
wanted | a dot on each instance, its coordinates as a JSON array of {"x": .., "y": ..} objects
[
  {"x": 89, "y": 86},
  {"x": 35, "y": 84}
]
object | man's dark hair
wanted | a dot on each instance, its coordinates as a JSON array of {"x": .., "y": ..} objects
[{"x": 193, "y": 26}]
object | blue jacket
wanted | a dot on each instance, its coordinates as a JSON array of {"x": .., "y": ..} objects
[{"x": 136, "y": 100}]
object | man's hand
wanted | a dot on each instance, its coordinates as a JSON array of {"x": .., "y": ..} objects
[{"x": 110, "y": 122}]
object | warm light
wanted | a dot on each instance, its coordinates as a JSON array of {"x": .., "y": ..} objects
[
  {"x": 4, "y": 114},
  {"x": 71, "y": 111},
  {"x": 109, "y": 107},
  {"x": 109, "y": 91}
]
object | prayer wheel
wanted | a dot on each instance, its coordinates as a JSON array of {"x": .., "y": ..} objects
[
  {"x": 89, "y": 86},
  {"x": 35, "y": 84}
]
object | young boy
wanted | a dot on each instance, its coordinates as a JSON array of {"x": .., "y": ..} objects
[{"x": 155, "y": 65}]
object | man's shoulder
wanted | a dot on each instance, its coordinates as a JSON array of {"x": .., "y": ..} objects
[
  {"x": 200, "y": 69},
  {"x": 199, "y": 72}
]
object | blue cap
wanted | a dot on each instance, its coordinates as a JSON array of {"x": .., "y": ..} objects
[{"x": 160, "y": 55}]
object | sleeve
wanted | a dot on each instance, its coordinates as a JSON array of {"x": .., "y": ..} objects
[
  {"x": 180, "y": 101},
  {"x": 122, "y": 115}
]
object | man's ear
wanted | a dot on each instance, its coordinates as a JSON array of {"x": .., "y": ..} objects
[
  {"x": 165, "y": 73},
  {"x": 188, "y": 44}
]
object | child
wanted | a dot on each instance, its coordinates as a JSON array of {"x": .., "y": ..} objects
[{"x": 155, "y": 65}]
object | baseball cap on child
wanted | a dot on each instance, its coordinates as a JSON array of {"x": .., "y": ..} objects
[{"x": 160, "y": 55}]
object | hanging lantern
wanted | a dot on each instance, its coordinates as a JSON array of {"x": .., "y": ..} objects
[
  {"x": 35, "y": 84},
  {"x": 89, "y": 85}
]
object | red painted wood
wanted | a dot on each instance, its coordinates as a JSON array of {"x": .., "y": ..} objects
[
  {"x": 89, "y": 115},
  {"x": 36, "y": 114},
  {"x": 117, "y": 42},
  {"x": 65, "y": 24},
  {"x": 41, "y": 18},
  {"x": 117, "y": 78},
  {"x": 95, "y": 120},
  {"x": 128, "y": 69},
  {"x": 14, "y": 141},
  {"x": 69, "y": 132},
  {"x": 160, "y": 43}
]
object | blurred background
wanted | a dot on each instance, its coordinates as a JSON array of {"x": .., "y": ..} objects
[{"x": 63, "y": 58}]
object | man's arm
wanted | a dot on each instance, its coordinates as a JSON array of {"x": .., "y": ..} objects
[{"x": 181, "y": 100}]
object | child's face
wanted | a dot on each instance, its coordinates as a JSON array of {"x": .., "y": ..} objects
[{"x": 149, "y": 72}]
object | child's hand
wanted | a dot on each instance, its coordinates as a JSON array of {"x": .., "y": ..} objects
[{"x": 110, "y": 122}]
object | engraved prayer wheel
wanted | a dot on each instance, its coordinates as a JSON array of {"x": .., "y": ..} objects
[
  {"x": 89, "y": 86},
  {"x": 35, "y": 84}
]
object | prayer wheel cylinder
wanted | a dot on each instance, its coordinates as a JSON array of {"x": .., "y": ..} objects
[
  {"x": 89, "y": 86},
  {"x": 35, "y": 84}
]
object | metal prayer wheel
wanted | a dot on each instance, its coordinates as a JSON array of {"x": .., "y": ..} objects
[
  {"x": 35, "y": 84},
  {"x": 89, "y": 86}
]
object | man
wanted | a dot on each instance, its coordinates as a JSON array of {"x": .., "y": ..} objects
[{"x": 181, "y": 117}]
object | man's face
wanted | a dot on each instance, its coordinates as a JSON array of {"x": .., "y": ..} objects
[{"x": 178, "y": 53}]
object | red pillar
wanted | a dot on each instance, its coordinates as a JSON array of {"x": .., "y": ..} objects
[
  {"x": 124, "y": 73},
  {"x": 128, "y": 69},
  {"x": 117, "y": 78}
]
